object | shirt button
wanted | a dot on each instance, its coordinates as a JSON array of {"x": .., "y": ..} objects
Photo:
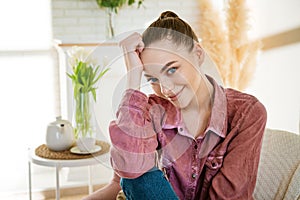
[
  {"x": 194, "y": 176},
  {"x": 195, "y": 146},
  {"x": 180, "y": 129},
  {"x": 214, "y": 164}
]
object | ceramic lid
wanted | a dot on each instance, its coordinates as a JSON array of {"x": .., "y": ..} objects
[{"x": 60, "y": 121}]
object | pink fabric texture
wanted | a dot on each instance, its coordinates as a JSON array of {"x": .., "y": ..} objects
[{"x": 221, "y": 165}]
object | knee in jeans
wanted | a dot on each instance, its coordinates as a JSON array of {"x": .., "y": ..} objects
[
  {"x": 148, "y": 186},
  {"x": 139, "y": 184},
  {"x": 129, "y": 183}
]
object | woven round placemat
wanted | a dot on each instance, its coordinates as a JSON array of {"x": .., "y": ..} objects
[{"x": 45, "y": 152}]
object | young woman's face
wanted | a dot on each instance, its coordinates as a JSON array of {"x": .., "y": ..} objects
[{"x": 173, "y": 71}]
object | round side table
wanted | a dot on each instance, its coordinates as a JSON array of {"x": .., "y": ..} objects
[{"x": 58, "y": 164}]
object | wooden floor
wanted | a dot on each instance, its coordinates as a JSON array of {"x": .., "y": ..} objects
[
  {"x": 25, "y": 196},
  {"x": 71, "y": 193},
  {"x": 76, "y": 197},
  {"x": 75, "y": 193}
]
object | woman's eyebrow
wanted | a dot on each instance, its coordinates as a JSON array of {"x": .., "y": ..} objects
[
  {"x": 148, "y": 76},
  {"x": 167, "y": 65},
  {"x": 164, "y": 67}
]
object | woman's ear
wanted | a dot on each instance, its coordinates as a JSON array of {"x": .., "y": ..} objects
[{"x": 198, "y": 50}]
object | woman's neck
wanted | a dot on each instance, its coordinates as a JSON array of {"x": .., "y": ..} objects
[{"x": 197, "y": 115}]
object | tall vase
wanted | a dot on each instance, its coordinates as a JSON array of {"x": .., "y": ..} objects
[
  {"x": 84, "y": 121},
  {"x": 110, "y": 23}
]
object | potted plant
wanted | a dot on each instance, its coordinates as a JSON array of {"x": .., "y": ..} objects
[
  {"x": 112, "y": 7},
  {"x": 85, "y": 75}
]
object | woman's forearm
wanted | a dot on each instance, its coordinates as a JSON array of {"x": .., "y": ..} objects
[
  {"x": 108, "y": 192},
  {"x": 134, "y": 74}
]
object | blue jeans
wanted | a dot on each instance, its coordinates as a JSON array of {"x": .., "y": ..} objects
[{"x": 150, "y": 186}]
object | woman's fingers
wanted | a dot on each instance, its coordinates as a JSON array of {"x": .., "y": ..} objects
[
  {"x": 140, "y": 46},
  {"x": 133, "y": 42}
]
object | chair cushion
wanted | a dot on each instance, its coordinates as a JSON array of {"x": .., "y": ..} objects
[{"x": 279, "y": 167}]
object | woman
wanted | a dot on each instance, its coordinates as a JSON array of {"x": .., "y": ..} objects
[{"x": 191, "y": 139}]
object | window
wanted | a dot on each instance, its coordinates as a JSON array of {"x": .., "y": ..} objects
[{"x": 27, "y": 100}]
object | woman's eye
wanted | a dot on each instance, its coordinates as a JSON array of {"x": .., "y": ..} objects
[
  {"x": 152, "y": 80},
  {"x": 172, "y": 70}
]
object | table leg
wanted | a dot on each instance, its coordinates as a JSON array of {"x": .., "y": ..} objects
[
  {"x": 90, "y": 180},
  {"x": 29, "y": 179},
  {"x": 57, "y": 183}
]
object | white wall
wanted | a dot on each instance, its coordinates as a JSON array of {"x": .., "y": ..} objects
[
  {"x": 276, "y": 84},
  {"x": 82, "y": 21},
  {"x": 277, "y": 79},
  {"x": 274, "y": 17}
]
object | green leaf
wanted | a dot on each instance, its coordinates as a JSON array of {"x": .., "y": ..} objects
[
  {"x": 114, "y": 5},
  {"x": 72, "y": 76},
  {"x": 78, "y": 68},
  {"x": 94, "y": 94},
  {"x": 100, "y": 75},
  {"x": 130, "y": 2},
  {"x": 140, "y": 3},
  {"x": 95, "y": 73},
  {"x": 90, "y": 76}
]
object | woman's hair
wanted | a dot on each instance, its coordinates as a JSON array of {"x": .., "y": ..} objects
[{"x": 170, "y": 26}]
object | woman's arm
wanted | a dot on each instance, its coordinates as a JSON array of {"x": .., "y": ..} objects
[
  {"x": 127, "y": 131},
  {"x": 132, "y": 134},
  {"x": 108, "y": 192},
  {"x": 133, "y": 137},
  {"x": 237, "y": 177},
  {"x": 132, "y": 46}
]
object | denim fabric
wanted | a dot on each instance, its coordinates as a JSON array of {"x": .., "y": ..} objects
[{"x": 151, "y": 185}]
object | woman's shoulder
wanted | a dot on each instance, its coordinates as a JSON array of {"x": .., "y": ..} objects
[
  {"x": 241, "y": 103},
  {"x": 237, "y": 97}
]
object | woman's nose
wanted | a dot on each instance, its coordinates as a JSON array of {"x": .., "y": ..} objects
[{"x": 166, "y": 88}]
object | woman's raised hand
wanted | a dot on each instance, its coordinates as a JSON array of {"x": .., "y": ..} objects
[{"x": 132, "y": 47}]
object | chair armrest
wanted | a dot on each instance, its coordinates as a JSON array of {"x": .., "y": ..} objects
[{"x": 293, "y": 191}]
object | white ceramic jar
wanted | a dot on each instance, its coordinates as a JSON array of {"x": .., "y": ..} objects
[{"x": 59, "y": 135}]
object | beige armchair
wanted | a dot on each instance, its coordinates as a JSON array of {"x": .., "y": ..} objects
[{"x": 279, "y": 167}]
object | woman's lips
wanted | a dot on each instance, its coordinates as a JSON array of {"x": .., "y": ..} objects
[{"x": 175, "y": 97}]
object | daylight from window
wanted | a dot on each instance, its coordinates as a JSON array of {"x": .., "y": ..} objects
[{"x": 27, "y": 93}]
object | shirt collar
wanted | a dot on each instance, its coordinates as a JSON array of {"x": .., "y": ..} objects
[{"x": 218, "y": 118}]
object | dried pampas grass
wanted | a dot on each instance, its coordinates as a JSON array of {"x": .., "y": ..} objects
[
  {"x": 227, "y": 42},
  {"x": 214, "y": 37}
]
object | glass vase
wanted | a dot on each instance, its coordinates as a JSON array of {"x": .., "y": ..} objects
[{"x": 84, "y": 121}]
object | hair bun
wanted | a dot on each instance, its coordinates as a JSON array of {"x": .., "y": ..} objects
[{"x": 168, "y": 14}]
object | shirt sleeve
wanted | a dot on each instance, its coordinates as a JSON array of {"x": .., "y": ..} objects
[
  {"x": 237, "y": 177},
  {"x": 133, "y": 137}
]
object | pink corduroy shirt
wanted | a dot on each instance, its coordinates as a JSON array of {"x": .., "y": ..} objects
[{"x": 221, "y": 165}]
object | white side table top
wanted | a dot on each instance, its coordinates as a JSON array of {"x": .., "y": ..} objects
[{"x": 33, "y": 158}]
